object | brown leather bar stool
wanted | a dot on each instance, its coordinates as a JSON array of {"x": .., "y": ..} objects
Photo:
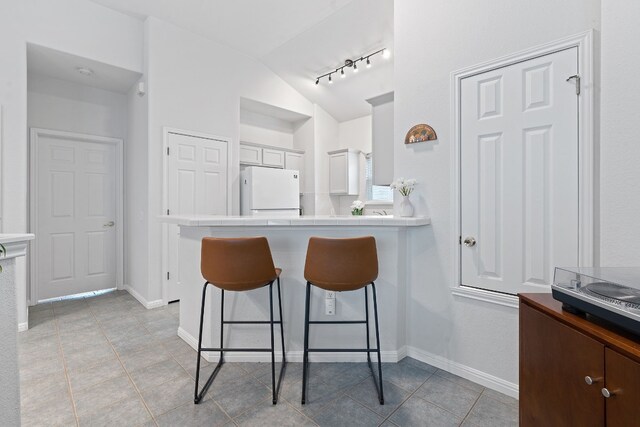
[
  {"x": 341, "y": 265},
  {"x": 239, "y": 264}
]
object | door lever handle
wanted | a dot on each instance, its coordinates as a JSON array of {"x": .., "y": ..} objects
[{"x": 109, "y": 224}]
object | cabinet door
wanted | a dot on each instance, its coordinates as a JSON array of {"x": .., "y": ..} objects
[
  {"x": 273, "y": 158},
  {"x": 554, "y": 361},
  {"x": 295, "y": 161},
  {"x": 338, "y": 173},
  {"x": 250, "y": 155},
  {"x": 623, "y": 382}
]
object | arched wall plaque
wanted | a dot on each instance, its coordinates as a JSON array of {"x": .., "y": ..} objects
[{"x": 420, "y": 133}]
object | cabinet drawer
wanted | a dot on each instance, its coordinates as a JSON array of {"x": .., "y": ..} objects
[
  {"x": 274, "y": 158},
  {"x": 250, "y": 155}
]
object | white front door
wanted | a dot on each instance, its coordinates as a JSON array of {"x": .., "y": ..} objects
[
  {"x": 196, "y": 185},
  {"x": 75, "y": 213},
  {"x": 519, "y": 174}
]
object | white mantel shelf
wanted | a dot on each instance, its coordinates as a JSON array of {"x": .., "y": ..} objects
[
  {"x": 14, "y": 238},
  {"x": 303, "y": 221}
]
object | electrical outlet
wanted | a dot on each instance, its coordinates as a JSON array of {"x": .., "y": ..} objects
[
  {"x": 330, "y": 295},
  {"x": 330, "y": 306}
]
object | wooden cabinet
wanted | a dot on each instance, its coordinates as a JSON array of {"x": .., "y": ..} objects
[
  {"x": 566, "y": 364},
  {"x": 295, "y": 161},
  {"x": 344, "y": 172}
]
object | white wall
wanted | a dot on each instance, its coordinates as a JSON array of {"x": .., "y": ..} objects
[
  {"x": 262, "y": 129},
  {"x": 356, "y": 134},
  {"x": 325, "y": 139},
  {"x": 136, "y": 207},
  {"x": 475, "y": 334},
  {"x": 74, "y": 26},
  {"x": 61, "y": 105},
  {"x": 619, "y": 141},
  {"x": 196, "y": 84}
]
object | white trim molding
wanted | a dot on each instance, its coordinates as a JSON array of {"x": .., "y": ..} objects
[
  {"x": 486, "y": 296},
  {"x": 35, "y": 133},
  {"x": 586, "y": 140},
  {"x": 464, "y": 371},
  {"x": 147, "y": 304}
]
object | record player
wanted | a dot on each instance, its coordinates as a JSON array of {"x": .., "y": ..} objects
[{"x": 611, "y": 293}]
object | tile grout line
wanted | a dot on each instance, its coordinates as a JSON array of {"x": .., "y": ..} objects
[
  {"x": 122, "y": 364},
  {"x": 64, "y": 365}
]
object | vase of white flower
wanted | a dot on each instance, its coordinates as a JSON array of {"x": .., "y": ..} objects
[
  {"x": 405, "y": 188},
  {"x": 406, "y": 207},
  {"x": 357, "y": 207}
]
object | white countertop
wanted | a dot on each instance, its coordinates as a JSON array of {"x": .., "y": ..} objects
[
  {"x": 14, "y": 238},
  {"x": 302, "y": 221}
]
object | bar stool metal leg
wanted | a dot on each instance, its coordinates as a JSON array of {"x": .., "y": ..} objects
[
  {"x": 284, "y": 357},
  {"x": 196, "y": 399},
  {"x": 305, "y": 358},
  {"x": 273, "y": 353},
  {"x": 366, "y": 311},
  {"x": 375, "y": 310}
]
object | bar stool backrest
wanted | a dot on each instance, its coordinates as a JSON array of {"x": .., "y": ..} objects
[
  {"x": 237, "y": 264},
  {"x": 341, "y": 264}
]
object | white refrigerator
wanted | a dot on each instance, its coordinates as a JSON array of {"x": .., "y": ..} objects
[{"x": 269, "y": 192}]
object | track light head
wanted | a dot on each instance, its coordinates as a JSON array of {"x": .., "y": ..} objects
[
  {"x": 330, "y": 81},
  {"x": 317, "y": 80},
  {"x": 342, "y": 75},
  {"x": 355, "y": 67},
  {"x": 368, "y": 62},
  {"x": 385, "y": 53}
]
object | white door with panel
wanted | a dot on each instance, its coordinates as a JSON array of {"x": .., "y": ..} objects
[
  {"x": 75, "y": 214},
  {"x": 519, "y": 173},
  {"x": 197, "y": 184}
]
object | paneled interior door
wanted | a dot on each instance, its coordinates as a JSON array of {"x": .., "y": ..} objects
[
  {"x": 197, "y": 183},
  {"x": 75, "y": 214},
  {"x": 519, "y": 173}
]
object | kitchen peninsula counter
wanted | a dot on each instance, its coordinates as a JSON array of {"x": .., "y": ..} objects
[
  {"x": 312, "y": 220},
  {"x": 288, "y": 239}
]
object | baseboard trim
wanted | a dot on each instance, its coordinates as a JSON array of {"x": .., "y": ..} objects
[
  {"x": 147, "y": 304},
  {"x": 23, "y": 326},
  {"x": 292, "y": 356},
  {"x": 464, "y": 371}
]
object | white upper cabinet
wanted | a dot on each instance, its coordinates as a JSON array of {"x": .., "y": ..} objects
[
  {"x": 273, "y": 158},
  {"x": 382, "y": 138},
  {"x": 344, "y": 171},
  {"x": 250, "y": 155}
]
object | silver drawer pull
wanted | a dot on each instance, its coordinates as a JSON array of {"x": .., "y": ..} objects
[{"x": 109, "y": 224}]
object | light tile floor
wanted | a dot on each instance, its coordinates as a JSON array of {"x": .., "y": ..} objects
[{"x": 106, "y": 360}]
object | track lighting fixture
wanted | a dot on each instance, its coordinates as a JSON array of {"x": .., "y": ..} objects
[{"x": 353, "y": 63}]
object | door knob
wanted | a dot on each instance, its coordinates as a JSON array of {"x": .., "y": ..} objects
[
  {"x": 469, "y": 242},
  {"x": 606, "y": 393},
  {"x": 590, "y": 380},
  {"x": 109, "y": 224}
]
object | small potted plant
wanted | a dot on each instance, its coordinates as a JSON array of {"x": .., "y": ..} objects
[
  {"x": 405, "y": 188},
  {"x": 357, "y": 207}
]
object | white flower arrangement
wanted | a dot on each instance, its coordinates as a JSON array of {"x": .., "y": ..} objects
[
  {"x": 404, "y": 186},
  {"x": 357, "y": 207}
]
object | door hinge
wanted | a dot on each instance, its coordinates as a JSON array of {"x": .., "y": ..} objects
[
  {"x": 577, "y": 78},
  {"x": 459, "y": 240},
  {"x": 167, "y": 275},
  {"x": 167, "y": 211},
  {"x": 167, "y": 151}
]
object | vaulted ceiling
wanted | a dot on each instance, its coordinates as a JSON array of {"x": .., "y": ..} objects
[{"x": 297, "y": 39}]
